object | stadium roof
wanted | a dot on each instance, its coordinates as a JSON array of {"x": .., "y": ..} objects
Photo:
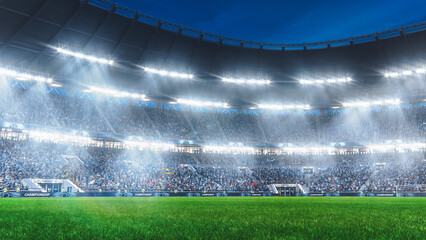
[{"x": 31, "y": 31}]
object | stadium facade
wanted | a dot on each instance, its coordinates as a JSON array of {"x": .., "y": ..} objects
[{"x": 131, "y": 103}]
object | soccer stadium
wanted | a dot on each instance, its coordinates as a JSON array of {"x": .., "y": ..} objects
[{"x": 118, "y": 125}]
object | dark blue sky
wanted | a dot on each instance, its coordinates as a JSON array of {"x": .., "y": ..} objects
[{"x": 294, "y": 21}]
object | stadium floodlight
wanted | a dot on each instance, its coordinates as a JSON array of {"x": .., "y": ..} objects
[
  {"x": 168, "y": 73},
  {"x": 148, "y": 145},
  {"x": 399, "y": 147},
  {"x": 57, "y": 137},
  {"x": 420, "y": 70},
  {"x": 405, "y": 73},
  {"x": 116, "y": 93},
  {"x": 228, "y": 149},
  {"x": 247, "y": 81},
  {"x": 22, "y": 76},
  {"x": 308, "y": 149},
  {"x": 277, "y": 107},
  {"x": 197, "y": 103},
  {"x": 391, "y": 74},
  {"x": 85, "y": 57},
  {"x": 381, "y": 147},
  {"x": 324, "y": 81},
  {"x": 363, "y": 104},
  {"x": 416, "y": 146},
  {"x": 55, "y": 85}
]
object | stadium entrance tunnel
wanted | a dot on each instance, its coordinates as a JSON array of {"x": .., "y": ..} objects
[
  {"x": 161, "y": 195},
  {"x": 124, "y": 195},
  {"x": 64, "y": 194},
  {"x": 193, "y": 195},
  {"x": 5, "y": 195},
  {"x": 8, "y": 195}
]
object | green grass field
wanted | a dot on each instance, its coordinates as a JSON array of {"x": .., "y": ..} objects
[{"x": 213, "y": 218}]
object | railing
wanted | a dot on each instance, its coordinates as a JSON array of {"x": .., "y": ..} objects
[{"x": 194, "y": 33}]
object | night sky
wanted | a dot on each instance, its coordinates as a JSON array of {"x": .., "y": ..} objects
[{"x": 285, "y": 21}]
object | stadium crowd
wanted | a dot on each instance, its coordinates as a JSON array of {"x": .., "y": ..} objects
[
  {"x": 129, "y": 118},
  {"x": 113, "y": 169},
  {"x": 339, "y": 179},
  {"x": 404, "y": 177},
  {"x": 94, "y": 169}
]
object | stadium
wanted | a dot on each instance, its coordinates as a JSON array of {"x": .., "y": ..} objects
[{"x": 118, "y": 125}]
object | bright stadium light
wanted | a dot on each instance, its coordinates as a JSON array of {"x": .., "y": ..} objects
[
  {"x": 308, "y": 149},
  {"x": 405, "y": 73},
  {"x": 22, "y": 76},
  {"x": 57, "y": 137},
  {"x": 381, "y": 147},
  {"x": 277, "y": 107},
  {"x": 228, "y": 149},
  {"x": 391, "y": 74},
  {"x": 420, "y": 70},
  {"x": 398, "y": 147},
  {"x": 82, "y": 140},
  {"x": 55, "y": 85},
  {"x": 363, "y": 104},
  {"x": 116, "y": 93},
  {"x": 168, "y": 73},
  {"x": 197, "y": 103},
  {"x": 324, "y": 81},
  {"x": 416, "y": 146},
  {"x": 148, "y": 145},
  {"x": 85, "y": 57},
  {"x": 247, "y": 81}
]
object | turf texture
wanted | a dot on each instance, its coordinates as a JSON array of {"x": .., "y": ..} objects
[{"x": 213, "y": 218}]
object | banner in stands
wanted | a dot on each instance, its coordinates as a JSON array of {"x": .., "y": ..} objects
[
  {"x": 360, "y": 194},
  {"x": 36, "y": 194},
  {"x": 199, "y": 194},
  {"x": 381, "y": 195}
]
